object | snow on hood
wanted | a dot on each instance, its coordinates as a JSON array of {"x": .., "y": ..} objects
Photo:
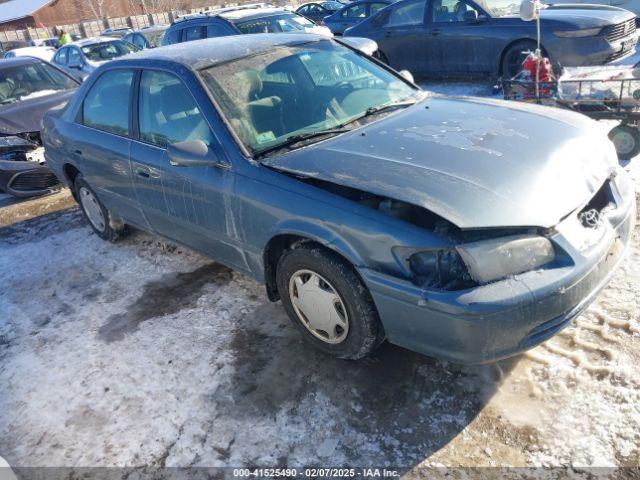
[{"x": 477, "y": 163}]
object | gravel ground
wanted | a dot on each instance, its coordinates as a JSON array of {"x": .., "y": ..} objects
[{"x": 141, "y": 353}]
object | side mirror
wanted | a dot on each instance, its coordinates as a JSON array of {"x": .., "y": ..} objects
[
  {"x": 192, "y": 153},
  {"x": 471, "y": 17},
  {"x": 407, "y": 75}
]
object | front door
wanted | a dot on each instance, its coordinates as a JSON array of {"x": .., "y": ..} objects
[
  {"x": 457, "y": 44},
  {"x": 188, "y": 204}
]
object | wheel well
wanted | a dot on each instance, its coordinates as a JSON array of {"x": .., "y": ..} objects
[
  {"x": 506, "y": 49},
  {"x": 71, "y": 173},
  {"x": 275, "y": 249}
]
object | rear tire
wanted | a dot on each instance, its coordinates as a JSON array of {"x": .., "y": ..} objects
[
  {"x": 626, "y": 140},
  {"x": 102, "y": 222},
  {"x": 327, "y": 302}
]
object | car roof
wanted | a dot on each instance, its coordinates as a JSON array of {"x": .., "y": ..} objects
[
  {"x": 242, "y": 12},
  {"x": 204, "y": 53},
  {"x": 18, "y": 61},
  {"x": 251, "y": 14},
  {"x": 92, "y": 41}
]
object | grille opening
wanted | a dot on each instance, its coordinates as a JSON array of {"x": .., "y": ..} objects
[{"x": 602, "y": 200}]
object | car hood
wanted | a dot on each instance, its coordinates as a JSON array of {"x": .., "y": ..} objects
[
  {"x": 26, "y": 116},
  {"x": 477, "y": 163},
  {"x": 586, "y": 16}
]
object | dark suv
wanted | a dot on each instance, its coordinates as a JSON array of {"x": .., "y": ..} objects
[{"x": 239, "y": 20}]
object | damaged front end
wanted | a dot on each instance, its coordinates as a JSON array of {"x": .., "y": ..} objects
[{"x": 22, "y": 166}]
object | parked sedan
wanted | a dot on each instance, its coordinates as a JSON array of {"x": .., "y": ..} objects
[
  {"x": 28, "y": 88},
  {"x": 466, "y": 229},
  {"x": 81, "y": 58},
  {"x": 316, "y": 11},
  {"x": 462, "y": 37},
  {"x": 43, "y": 53},
  {"x": 352, "y": 14},
  {"x": 149, "y": 37}
]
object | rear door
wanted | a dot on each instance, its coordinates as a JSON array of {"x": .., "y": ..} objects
[
  {"x": 403, "y": 35},
  {"x": 100, "y": 141},
  {"x": 456, "y": 44},
  {"x": 187, "y": 204}
]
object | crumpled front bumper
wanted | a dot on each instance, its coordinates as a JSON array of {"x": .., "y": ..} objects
[{"x": 504, "y": 318}]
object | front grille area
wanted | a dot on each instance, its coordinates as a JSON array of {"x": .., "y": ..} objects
[
  {"x": 621, "y": 30},
  {"x": 33, "y": 180}
]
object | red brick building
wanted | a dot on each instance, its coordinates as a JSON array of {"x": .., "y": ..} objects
[{"x": 20, "y": 14}]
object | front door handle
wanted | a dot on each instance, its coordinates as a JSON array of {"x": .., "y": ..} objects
[
  {"x": 388, "y": 34},
  {"x": 78, "y": 152},
  {"x": 435, "y": 32}
]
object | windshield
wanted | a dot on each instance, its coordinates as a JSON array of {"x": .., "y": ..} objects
[
  {"x": 500, "y": 8},
  {"x": 102, "y": 52},
  {"x": 288, "y": 22},
  {"x": 270, "y": 98},
  {"x": 30, "y": 81}
]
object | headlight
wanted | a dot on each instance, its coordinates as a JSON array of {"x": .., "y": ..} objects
[
  {"x": 441, "y": 269},
  {"x": 490, "y": 260},
  {"x": 587, "y": 32}
]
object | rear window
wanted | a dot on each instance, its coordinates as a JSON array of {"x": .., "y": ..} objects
[
  {"x": 102, "y": 52},
  {"x": 287, "y": 22}
]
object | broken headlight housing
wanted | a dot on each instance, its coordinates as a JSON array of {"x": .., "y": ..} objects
[
  {"x": 494, "y": 259},
  {"x": 476, "y": 263}
]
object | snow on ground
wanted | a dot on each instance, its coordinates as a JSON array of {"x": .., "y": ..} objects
[{"x": 140, "y": 353}]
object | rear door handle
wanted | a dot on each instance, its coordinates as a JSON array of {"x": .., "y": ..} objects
[
  {"x": 143, "y": 172},
  {"x": 388, "y": 34},
  {"x": 435, "y": 32},
  {"x": 78, "y": 152}
]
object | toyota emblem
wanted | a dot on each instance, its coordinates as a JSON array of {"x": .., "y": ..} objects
[{"x": 590, "y": 218}]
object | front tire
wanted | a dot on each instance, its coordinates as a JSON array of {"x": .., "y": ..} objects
[
  {"x": 100, "y": 219},
  {"x": 327, "y": 302},
  {"x": 514, "y": 57},
  {"x": 626, "y": 139}
]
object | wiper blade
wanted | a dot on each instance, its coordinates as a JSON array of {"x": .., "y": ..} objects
[
  {"x": 388, "y": 106},
  {"x": 301, "y": 137}
]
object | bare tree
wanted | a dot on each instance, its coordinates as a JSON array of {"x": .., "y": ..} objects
[{"x": 95, "y": 8}]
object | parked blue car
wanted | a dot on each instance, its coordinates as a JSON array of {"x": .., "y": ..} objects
[
  {"x": 465, "y": 229},
  {"x": 463, "y": 37},
  {"x": 352, "y": 14}
]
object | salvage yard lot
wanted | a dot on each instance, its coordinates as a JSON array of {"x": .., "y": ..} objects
[{"x": 144, "y": 353}]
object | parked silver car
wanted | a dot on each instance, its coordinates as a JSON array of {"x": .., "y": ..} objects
[{"x": 81, "y": 58}]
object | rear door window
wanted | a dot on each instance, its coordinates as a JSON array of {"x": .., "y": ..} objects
[
  {"x": 106, "y": 106},
  {"x": 194, "y": 33},
  {"x": 168, "y": 113},
  {"x": 74, "y": 57},
  {"x": 61, "y": 56},
  {"x": 357, "y": 11},
  {"x": 410, "y": 13}
]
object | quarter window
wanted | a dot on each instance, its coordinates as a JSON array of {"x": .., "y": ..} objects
[
  {"x": 106, "y": 106},
  {"x": 168, "y": 113},
  {"x": 411, "y": 13}
]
